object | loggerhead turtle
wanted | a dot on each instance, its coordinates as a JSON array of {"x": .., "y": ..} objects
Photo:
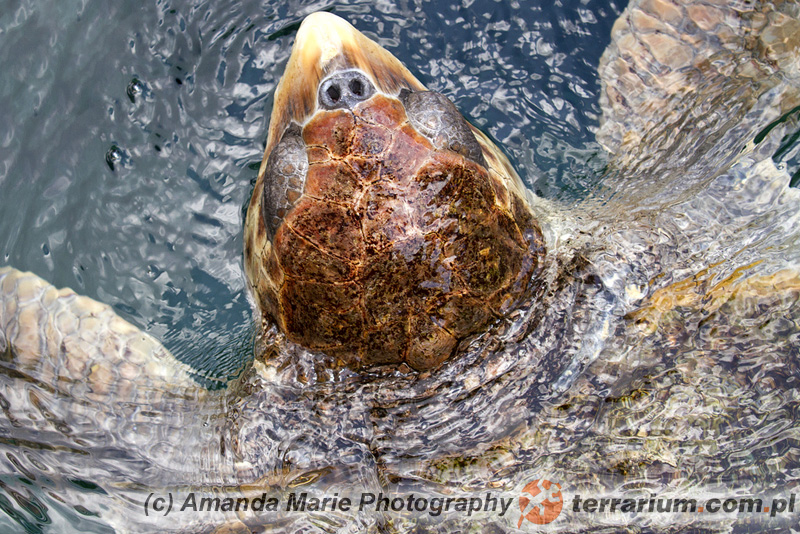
[{"x": 548, "y": 339}]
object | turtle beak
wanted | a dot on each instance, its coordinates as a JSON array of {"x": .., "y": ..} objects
[{"x": 325, "y": 45}]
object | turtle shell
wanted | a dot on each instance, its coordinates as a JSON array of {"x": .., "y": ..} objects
[{"x": 390, "y": 240}]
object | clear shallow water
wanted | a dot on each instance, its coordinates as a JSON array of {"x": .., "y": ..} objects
[{"x": 159, "y": 238}]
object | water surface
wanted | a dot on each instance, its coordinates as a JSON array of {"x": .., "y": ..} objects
[{"x": 133, "y": 137}]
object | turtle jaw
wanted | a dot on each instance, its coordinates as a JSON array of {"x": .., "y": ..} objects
[{"x": 327, "y": 44}]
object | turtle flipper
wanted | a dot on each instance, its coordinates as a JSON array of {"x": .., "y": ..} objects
[
  {"x": 73, "y": 372},
  {"x": 681, "y": 80},
  {"x": 74, "y": 344}
]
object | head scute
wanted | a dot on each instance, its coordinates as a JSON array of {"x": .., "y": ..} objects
[
  {"x": 382, "y": 234},
  {"x": 436, "y": 117}
]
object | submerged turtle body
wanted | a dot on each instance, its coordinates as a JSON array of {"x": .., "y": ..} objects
[{"x": 384, "y": 229}]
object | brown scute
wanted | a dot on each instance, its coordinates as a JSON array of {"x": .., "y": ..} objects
[
  {"x": 367, "y": 170},
  {"x": 370, "y": 140},
  {"x": 333, "y": 181},
  {"x": 386, "y": 344},
  {"x": 469, "y": 188},
  {"x": 305, "y": 261},
  {"x": 427, "y": 270},
  {"x": 320, "y": 316},
  {"x": 460, "y": 312},
  {"x": 386, "y": 280},
  {"x": 318, "y": 154},
  {"x": 387, "y": 216},
  {"x": 488, "y": 263},
  {"x": 452, "y": 187},
  {"x": 407, "y": 152},
  {"x": 395, "y": 251},
  {"x": 431, "y": 344},
  {"x": 331, "y": 129},
  {"x": 333, "y": 228},
  {"x": 382, "y": 110}
]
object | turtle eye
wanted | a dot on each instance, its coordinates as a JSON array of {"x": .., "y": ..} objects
[
  {"x": 345, "y": 90},
  {"x": 436, "y": 117},
  {"x": 284, "y": 178}
]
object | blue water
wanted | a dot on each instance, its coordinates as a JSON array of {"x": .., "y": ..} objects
[{"x": 133, "y": 134}]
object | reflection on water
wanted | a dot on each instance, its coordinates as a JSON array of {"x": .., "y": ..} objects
[{"x": 661, "y": 359}]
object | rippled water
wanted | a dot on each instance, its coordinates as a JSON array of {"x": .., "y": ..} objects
[{"x": 133, "y": 137}]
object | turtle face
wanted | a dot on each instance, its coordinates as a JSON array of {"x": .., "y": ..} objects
[{"x": 383, "y": 228}]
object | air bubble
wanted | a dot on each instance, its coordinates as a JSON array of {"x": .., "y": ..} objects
[
  {"x": 114, "y": 156},
  {"x": 135, "y": 88}
]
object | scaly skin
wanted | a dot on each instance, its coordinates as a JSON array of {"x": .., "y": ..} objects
[
  {"x": 77, "y": 382},
  {"x": 80, "y": 347},
  {"x": 675, "y": 69}
]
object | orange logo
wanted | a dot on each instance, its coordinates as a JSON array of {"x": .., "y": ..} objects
[{"x": 540, "y": 503}]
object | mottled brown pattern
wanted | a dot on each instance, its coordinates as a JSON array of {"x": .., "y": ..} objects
[
  {"x": 370, "y": 140},
  {"x": 461, "y": 311},
  {"x": 367, "y": 170},
  {"x": 329, "y": 226},
  {"x": 431, "y": 344},
  {"x": 405, "y": 155},
  {"x": 386, "y": 281},
  {"x": 332, "y": 130},
  {"x": 396, "y": 251},
  {"x": 334, "y": 181},
  {"x": 386, "y": 344},
  {"x": 385, "y": 111},
  {"x": 386, "y": 215},
  {"x": 303, "y": 260},
  {"x": 322, "y": 315},
  {"x": 488, "y": 262},
  {"x": 318, "y": 155}
]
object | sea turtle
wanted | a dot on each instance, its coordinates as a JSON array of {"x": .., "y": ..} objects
[{"x": 643, "y": 342}]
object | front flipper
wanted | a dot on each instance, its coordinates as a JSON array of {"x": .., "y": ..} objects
[
  {"x": 93, "y": 410},
  {"x": 687, "y": 84},
  {"x": 80, "y": 347}
]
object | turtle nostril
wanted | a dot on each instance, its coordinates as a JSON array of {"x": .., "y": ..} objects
[
  {"x": 356, "y": 87},
  {"x": 334, "y": 93},
  {"x": 344, "y": 90}
]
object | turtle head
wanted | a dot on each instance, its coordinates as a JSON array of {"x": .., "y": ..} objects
[{"x": 383, "y": 227}]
